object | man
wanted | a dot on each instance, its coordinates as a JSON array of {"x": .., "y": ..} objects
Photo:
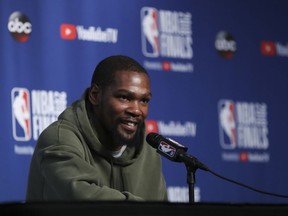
[{"x": 96, "y": 150}]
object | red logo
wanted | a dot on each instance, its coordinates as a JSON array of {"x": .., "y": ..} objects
[
  {"x": 243, "y": 156},
  {"x": 151, "y": 126},
  {"x": 166, "y": 65},
  {"x": 68, "y": 31},
  {"x": 268, "y": 48}
]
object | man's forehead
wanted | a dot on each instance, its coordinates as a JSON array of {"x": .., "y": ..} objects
[{"x": 125, "y": 77}]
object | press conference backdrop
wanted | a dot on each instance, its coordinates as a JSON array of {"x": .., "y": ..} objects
[{"x": 219, "y": 73}]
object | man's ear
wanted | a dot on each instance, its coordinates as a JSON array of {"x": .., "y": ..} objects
[{"x": 94, "y": 94}]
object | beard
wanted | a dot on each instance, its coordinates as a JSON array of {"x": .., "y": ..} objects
[{"x": 120, "y": 138}]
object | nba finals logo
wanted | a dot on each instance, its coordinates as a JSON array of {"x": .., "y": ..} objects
[
  {"x": 166, "y": 33},
  {"x": 21, "y": 120},
  {"x": 227, "y": 124},
  {"x": 33, "y": 111},
  {"x": 243, "y": 131}
]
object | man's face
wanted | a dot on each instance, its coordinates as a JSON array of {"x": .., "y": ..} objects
[{"x": 124, "y": 106}]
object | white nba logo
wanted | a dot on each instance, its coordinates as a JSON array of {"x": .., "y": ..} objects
[
  {"x": 21, "y": 121},
  {"x": 150, "y": 32},
  {"x": 227, "y": 124}
]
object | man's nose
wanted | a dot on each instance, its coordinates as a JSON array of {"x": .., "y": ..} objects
[{"x": 135, "y": 108}]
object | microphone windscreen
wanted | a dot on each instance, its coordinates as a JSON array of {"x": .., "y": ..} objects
[{"x": 151, "y": 138}]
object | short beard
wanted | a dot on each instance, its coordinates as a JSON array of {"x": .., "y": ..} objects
[{"x": 120, "y": 140}]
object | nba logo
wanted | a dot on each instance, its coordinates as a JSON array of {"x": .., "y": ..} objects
[
  {"x": 227, "y": 124},
  {"x": 21, "y": 121},
  {"x": 150, "y": 32},
  {"x": 167, "y": 149}
]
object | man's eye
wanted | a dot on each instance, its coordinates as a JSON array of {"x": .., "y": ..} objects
[
  {"x": 145, "y": 101},
  {"x": 123, "y": 98}
]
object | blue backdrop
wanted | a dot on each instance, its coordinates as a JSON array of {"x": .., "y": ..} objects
[{"x": 219, "y": 82}]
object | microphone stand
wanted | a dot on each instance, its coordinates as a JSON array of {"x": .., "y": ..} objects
[
  {"x": 192, "y": 164},
  {"x": 191, "y": 181}
]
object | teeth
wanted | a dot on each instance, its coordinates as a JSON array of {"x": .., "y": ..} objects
[{"x": 131, "y": 124}]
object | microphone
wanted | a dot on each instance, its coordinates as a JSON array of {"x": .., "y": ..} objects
[
  {"x": 173, "y": 150},
  {"x": 176, "y": 152}
]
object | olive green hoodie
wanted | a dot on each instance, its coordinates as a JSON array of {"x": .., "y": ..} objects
[{"x": 70, "y": 164}]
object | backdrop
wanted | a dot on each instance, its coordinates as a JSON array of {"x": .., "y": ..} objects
[{"x": 219, "y": 82}]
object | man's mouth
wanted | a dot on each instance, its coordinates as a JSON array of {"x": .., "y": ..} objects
[{"x": 130, "y": 126}]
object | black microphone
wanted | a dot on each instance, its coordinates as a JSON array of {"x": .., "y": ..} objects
[{"x": 173, "y": 150}]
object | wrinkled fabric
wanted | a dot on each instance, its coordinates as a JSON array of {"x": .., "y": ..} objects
[{"x": 70, "y": 164}]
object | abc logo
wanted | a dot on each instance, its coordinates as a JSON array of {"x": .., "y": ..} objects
[
  {"x": 225, "y": 44},
  {"x": 19, "y": 26}
]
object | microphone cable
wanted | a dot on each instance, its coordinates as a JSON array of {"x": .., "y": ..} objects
[{"x": 244, "y": 185}]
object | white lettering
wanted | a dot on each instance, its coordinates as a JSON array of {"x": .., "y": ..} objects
[
  {"x": 282, "y": 50},
  {"x": 48, "y": 102},
  {"x": 230, "y": 156},
  {"x": 176, "y": 46},
  {"x": 252, "y": 137},
  {"x": 16, "y": 26},
  {"x": 40, "y": 123},
  {"x": 225, "y": 45},
  {"x": 175, "y": 34},
  {"x": 152, "y": 65},
  {"x": 23, "y": 150},
  {"x": 109, "y": 35},
  {"x": 252, "y": 125},
  {"x": 177, "y": 129},
  {"x": 258, "y": 157},
  {"x": 245, "y": 113},
  {"x": 46, "y": 107},
  {"x": 181, "y": 194},
  {"x": 182, "y": 67}
]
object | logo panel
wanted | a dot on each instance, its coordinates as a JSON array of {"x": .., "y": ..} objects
[
  {"x": 243, "y": 131},
  {"x": 166, "y": 34}
]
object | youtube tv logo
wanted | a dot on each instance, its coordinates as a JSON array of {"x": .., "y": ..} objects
[
  {"x": 274, "y": 48},
  {"x": 166, "y": 66},
  {"x": 268, "y": 48},
  {"x": 151, "y": 126},
  {"x": 68, "y": 31}
]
